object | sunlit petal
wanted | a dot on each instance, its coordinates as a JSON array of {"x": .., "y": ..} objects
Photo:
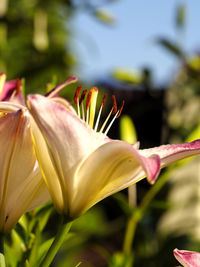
[
  {"x": 45, "y": 160},
  {"x": 68, "y": 140},
  {"x": 111, "y": 168},
  {"x": 62, "y": 142},
  {"x": 17, "y": 162}
]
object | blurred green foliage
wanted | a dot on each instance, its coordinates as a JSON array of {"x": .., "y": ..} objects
[{"x": 35, "y": 38}]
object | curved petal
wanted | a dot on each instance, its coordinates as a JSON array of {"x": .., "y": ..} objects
[
  {"x": 31, "y": 193},
  {"x": 67, "y": 140},
  {"x": 10, "y": 107},
  {"x": 187, "y": 258},
  {"x": 69, "y": 136},
  {"x": 172, "y": 153},
  {"x": 109, "y": 169},
  {"x": 49, "y": 173},
  {"x": 17, "y": 162}
]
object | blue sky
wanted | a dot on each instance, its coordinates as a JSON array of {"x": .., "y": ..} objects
[{"x": 131, "y": 42}]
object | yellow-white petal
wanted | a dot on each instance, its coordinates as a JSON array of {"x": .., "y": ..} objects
[
  {"x": 109, "y": 169},
  {"x": 63, "y": 139},
  {"x": 17, "y": 162}
]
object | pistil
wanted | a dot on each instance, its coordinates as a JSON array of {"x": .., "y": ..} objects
[
  {"x": 81, "y": 103},
  {"x": 76, "y": 99},
  {"x": 88, "y": 101},
  {"x": 94, "y": 91}
]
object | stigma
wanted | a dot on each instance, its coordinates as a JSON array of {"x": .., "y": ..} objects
[{"x": 86, "y": 102}]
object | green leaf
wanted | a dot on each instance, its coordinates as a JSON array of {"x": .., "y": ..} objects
[
  {"x": 195, "y": 134},
  {"x": 14, "y": 249},
  {"x": 127, "y": 75},
  {"x": 121, "y": 260},
  {"x": 171, "y": 47},
  {"x": 34, "y": 246},
  {"x": 78, "y": 264},
  {"x": 104, "y": 16},
  {"x": 2, "y": 260},
  {"x": 180, "y": 15},
  {"x": 43, "y": 250},
  {"x": 43, "y": 213},
  {"x": 127, "y": 130},
  {"x": 21, "y": 231}
]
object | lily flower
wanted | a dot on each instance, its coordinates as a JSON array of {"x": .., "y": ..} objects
[
  {"x": 22, "y": 187},
  {"x": 21, "y": 184},
  {"x": 187, "y": 258},
  {"x": 79, "y": 163}
]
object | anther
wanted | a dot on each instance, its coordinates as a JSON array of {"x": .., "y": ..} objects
[
  {"x": 76, "y": 96},
  {"x": 83, "y": 96},
  {"x": 103, "y": 100},
  {"x": 88, "y": 100},
  {"x": 120, "y": 110},
  {"x": 114, "y": 104},
  {"x": 81, "y": 103}
]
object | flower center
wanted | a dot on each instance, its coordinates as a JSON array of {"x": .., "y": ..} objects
[{"x": 86, "y": 111}]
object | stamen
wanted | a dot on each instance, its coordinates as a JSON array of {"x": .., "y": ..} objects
[
  {"x": 94, "y": 91},
  {"x": 2, "y": 81},
  {"x": 83, "y": 96},
  {"x": 114, "y": 104},
  {"x": 76, "y": 98},
  {"x": 120, "y": 110},
  {"x": 88, "y": 101},
  {"x": 100, "y": 110},
  {"x": 81, "y": 103},
  {"x": 111, "y": 123},
  {"x": 115, "y": 117},
  {"x": 105, "y": 122},
  {"x": 103, "y": 100}
]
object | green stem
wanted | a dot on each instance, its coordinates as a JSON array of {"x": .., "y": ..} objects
[
  {"x": 60, "y": 236},
  {"x": 130, "y": 231},
  {"x": 138, "y": 214},
  {"x": 2, "y": 258}
]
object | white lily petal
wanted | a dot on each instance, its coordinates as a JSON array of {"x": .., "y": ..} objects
[
  {"x": 10, "y": 107},
  {"x": 17, "y": 162},
  {"x": 109, "y": 169},
  {"x": 68, "y": 140},
  {"x": 31, "y": 193},
  {"x": 49, "y": 173}
]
